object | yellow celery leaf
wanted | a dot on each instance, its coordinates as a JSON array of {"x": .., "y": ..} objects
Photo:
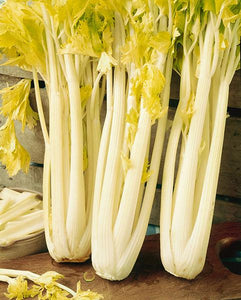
[
  {"x": 137, "y": 48},
  {"x": 161, "y": 41},
  {"x": 67, "y": 10},
  {"x": 16, "y": 106},
  {"x": 9, "y": 40},
  {"x": 151, "y": 90},
  {"x": 7, "y": 136},
  {"x": 100, "y": 12},
  {"x": 85, "y": 94},
  {"x": 19, "y": 159},
  {"x": 95, "y": 40},
  {"x": 146, "y": 24},
  {"x": 119, "y": 6},
  {"x": 29, "y": 116},
  {"x": 105, "y": 63},
  {"x": 34, "y": 32},
  {"x": 132, "y": 116},
  {"x": 86, "y": 295},
  {"x": 209, "y": 5},
  {"x": 132, "y": 119},
  {"x": 153, "y": 106},
  {"x": 148, "y": 83},
  {"x": 99, "y": 23},
  {"x": 132, "y": 129},
  {"x": 138, "y": 13},
  {"x": 187, "y": 114},
  {"x": 48, "y": 286},
  {"x": 126, "y": 163},
  {"x": 105, "y": 13},
  {"x": 136, "y": 8},
  {"x": 80, "y": 42},
  {"x": 92, "y": 34},
  {"x": 50, "y": 290},
  {"x": 129, "y": 53},
  {"x": 215, "y": 6},
  {"x": 23, "y": 32},
  {"x": 146, "y": 173},
  {"x": 12, "y": 154},
  {"x": 53, "y": 293},
  {"x": 137, "y": 84},
  {"x": 78, "y": 45},
  {"x": 14, "y": 58},
  {"x": 224, "y": 3},
  {"x": 15, "y": 161},
  {"x": 48, "y": 278},
  {"x": 143, "y": 44},
  {"x": 231, "y": 13},
  {"x": 18, "y": 289},
  {"x": 77, "y": 8},
  {"x": 179, "y": 20},
  {"x": 13, "y": 96}
]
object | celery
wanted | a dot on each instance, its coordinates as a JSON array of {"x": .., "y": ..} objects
[
  {"x": 122, "y": 205},
  {"x": 187, "y": 201},
  {"x": 44, "y": 286},
  {"x": 63, "y": 43}
]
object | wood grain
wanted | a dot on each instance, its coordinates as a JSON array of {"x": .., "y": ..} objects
[
  {"x": 228, "y": 211},
  {"x": 235, "y": 91},
  {"x": 15, "y": 71},
  {"x": 230, "y": 170},
  {"x": 32, "y": 180},
  {"x": 148, "y": 280},
  {"x": 6, "y": 80}
]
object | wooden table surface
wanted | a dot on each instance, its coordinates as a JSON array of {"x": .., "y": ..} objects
[{"x": 148, "y": 280}]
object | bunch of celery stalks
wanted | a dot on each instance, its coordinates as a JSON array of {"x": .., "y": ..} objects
[{"x": 107, "y": 67}]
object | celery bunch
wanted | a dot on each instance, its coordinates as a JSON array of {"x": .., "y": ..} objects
[
  {"x": 62, "y": 42},
  {"x": 207, "y": 55},
  {"x": 137, "y": 97}
]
